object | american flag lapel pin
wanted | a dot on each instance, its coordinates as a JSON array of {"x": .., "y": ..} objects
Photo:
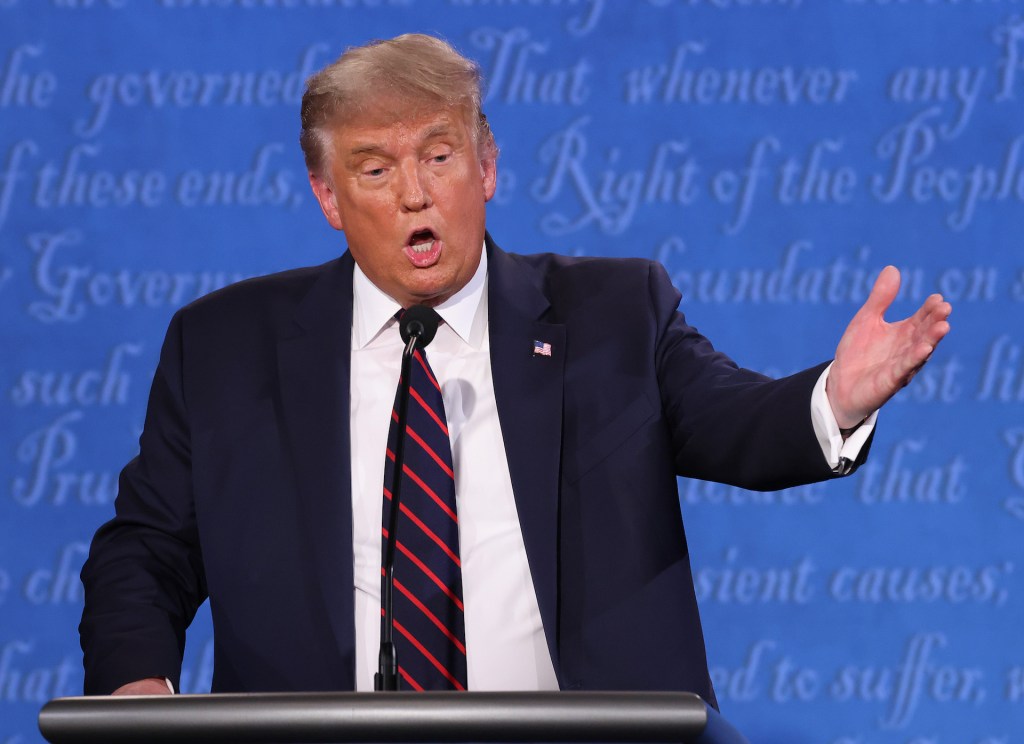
[{"x": 541, "y": 348}]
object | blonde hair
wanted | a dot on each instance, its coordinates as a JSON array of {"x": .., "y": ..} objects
[{"x": 417, "y": 68}]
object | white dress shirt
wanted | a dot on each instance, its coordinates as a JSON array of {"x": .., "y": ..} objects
[{"x": 505, "y": 644}]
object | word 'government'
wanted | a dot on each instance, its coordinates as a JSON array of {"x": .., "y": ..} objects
[
  {"x": 70, "y": 289},
  {"x": 190, "y": 88}
]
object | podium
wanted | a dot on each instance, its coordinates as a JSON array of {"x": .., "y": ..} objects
[{"x": 305, "y": 718}]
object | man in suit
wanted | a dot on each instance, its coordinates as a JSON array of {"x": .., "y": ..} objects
[{"x": 575, "y": 393}]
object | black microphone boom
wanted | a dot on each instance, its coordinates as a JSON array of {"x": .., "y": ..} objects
[{"x": 418, "y": 326}]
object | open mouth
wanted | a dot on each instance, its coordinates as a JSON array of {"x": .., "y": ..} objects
[
  {"x": 423, "y": 248},
  {"x": 422, "y": 241}
]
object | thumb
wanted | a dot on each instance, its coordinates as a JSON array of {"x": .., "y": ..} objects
[{"x": 883, "y": 293}]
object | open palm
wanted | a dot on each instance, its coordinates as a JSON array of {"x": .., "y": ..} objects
[{"x": 875, "y": 359}]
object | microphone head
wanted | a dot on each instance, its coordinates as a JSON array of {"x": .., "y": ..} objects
[{"x": 420, "y": 321}]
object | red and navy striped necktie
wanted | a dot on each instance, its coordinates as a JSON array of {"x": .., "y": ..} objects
[{"x": 430, "y": 635}]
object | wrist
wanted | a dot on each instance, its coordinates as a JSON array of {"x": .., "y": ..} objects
[{"x": 846, "y": 420}]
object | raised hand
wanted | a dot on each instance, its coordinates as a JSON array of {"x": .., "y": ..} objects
[{"x": 875, "y": 359}]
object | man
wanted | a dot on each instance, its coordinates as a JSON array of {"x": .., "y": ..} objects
[{"x": 574, "y": 391}]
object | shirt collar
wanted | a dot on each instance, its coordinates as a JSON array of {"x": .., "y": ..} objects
[{"x": 373, "y": 311}]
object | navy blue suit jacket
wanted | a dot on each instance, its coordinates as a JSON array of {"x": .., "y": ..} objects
[{"x": 241, "y": 490}]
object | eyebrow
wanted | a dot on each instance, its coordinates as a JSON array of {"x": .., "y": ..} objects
[
  {"x": 365, "y": 150},
  {"x": 438, "y": 130}
]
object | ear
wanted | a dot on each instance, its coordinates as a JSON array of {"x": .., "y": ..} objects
[
  {"x": 325, "y": 196},
  {"x": 489, "y": 171}
]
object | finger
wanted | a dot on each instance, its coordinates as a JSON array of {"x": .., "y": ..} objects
[
  {"x": 923, "y": 353},
  {"x": 923, "y": 346},
  {"x": 936, "y": 332},
  {"x": 914, "y": 371},
  {"x": 942, "y": 310},
  {"x": 936, "y": 308},
  {"x": 912, "y": 362},
  {"x": 934, "y": 325},
  {"x": 929, "y": 305},
  {"x": 923, "y": 314},
  {"x": 883, "y": 293},
  {"x": 921, "y": 324}
]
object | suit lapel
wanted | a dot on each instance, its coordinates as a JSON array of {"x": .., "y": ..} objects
[
  {"x": 528, "y": 392},
  {"x": 314, "y": 364}
]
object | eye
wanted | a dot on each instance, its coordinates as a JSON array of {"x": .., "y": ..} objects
[
  {"x": 439, "y": 154},
  {"x": 371, "y": 167}
]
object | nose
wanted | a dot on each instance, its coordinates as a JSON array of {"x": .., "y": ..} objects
[{"x": 414, "y": 194}]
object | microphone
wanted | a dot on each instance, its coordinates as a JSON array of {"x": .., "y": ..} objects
[
  {"x": 419, "y": 321},
  {"x": 418, "y": 325}
]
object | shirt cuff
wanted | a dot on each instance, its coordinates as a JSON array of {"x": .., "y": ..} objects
[
  {"x": 839, "y": 453},
  {"x": 170, "y": 686}
]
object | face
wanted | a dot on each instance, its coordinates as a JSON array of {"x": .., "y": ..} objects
[{"x": 409, "y": 194}]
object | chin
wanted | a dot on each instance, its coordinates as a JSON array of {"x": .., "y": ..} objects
[{"x": 431, "y": 294}]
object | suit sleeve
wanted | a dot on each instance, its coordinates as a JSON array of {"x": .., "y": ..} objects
[
  {"x": 144, "y": 578},
  {"x": 729, "y": 424}
]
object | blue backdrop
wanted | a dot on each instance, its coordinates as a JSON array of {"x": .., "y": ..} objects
[{"x": 773, "y": 154}]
